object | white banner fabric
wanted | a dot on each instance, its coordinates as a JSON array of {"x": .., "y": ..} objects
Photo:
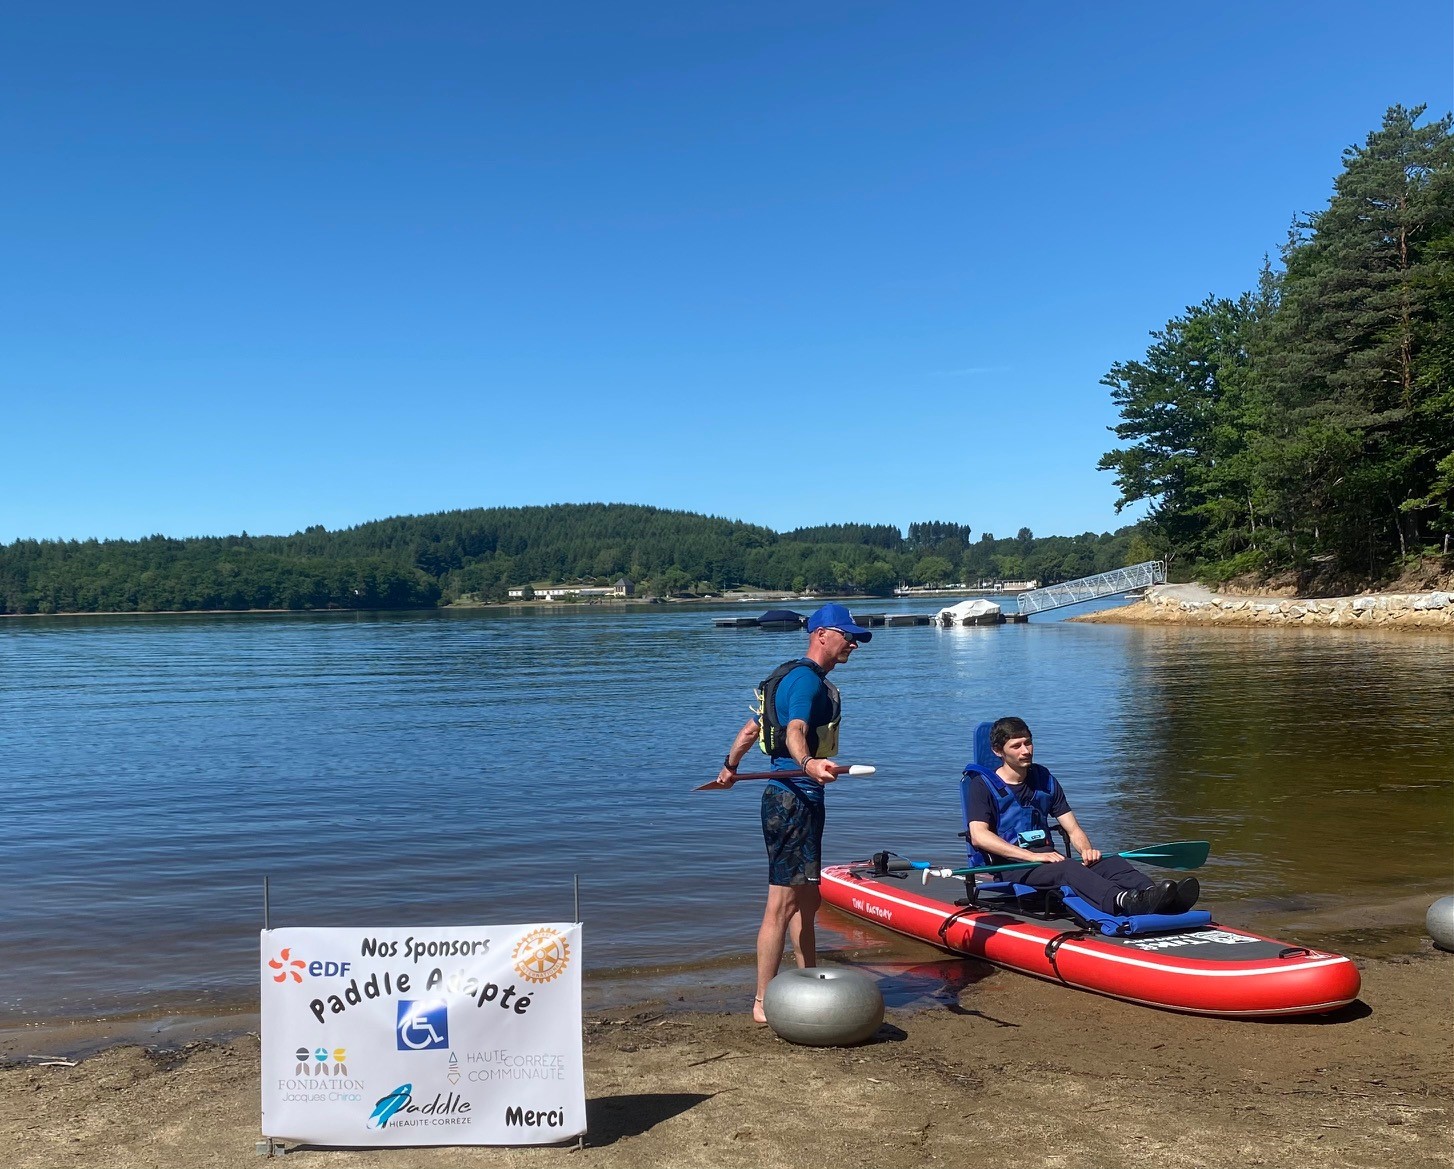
[{"x": 466, "y": 1035}]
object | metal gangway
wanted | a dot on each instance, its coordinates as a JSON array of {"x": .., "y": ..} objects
[{"x": 1089, "y": 588}]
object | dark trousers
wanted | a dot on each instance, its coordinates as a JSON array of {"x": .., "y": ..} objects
[{"x": 1098, "y": 883}]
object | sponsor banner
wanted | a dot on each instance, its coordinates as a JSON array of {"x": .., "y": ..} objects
[{"x": 466, "y": 1035}]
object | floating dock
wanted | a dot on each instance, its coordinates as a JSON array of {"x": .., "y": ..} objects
[{"x": 868, "y": 620}]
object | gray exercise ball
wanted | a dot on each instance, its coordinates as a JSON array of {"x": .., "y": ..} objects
[
  {"x": 824, "y": 1006},
  {"x": 1439, "y": 921}
]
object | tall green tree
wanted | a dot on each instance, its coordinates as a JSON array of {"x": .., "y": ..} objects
[
  {"x": 1313, "y": 420},
  {"x": 1358, "y": 357},
  {"x": 1188, "y": 418}
]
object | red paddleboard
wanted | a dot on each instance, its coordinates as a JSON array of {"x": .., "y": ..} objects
[{"x": 1208, "y": 970}]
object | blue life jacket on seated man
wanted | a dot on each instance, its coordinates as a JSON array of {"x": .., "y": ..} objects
[{"x": 1022, "y": 812}]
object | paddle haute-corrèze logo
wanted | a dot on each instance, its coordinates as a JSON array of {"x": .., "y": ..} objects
[{"x": 541, "y": 955}]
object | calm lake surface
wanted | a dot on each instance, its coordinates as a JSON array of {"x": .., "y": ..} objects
[{"x": 449, "y": 768}]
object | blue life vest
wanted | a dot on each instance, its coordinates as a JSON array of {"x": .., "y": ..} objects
[{"x": 1011, "y": 816}]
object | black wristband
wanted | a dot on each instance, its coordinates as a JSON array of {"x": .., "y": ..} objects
[{"x": 727, "y": 763}]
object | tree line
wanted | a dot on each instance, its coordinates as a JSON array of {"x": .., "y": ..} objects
[
  {"x": 479, "y": 554},
  {"x": 1308, "y": 423}
]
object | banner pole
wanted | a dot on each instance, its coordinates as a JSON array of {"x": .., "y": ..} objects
[
  {"x": 267, "y": 1147},
  {"x": 576, "y": 881}
]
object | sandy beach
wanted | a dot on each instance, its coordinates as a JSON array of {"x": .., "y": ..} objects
[{"x": 1014, "y": 1072}]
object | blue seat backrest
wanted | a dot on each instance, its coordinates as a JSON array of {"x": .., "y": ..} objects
[
  {"x": 984, "y": 758},
  {"x": 984, "y": 754}
]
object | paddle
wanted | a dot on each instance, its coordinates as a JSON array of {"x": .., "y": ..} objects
[
  {"x": 838, "y": 769},
  {"x": 1179, "y": 854}
]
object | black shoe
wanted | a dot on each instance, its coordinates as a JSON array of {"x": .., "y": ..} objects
[
  {"x": 1165, "y": 891},
  {"x": 1188, "y": 889},
  {"x": 1133, "y": 902},
  {"x": 1153, "y": 899}
]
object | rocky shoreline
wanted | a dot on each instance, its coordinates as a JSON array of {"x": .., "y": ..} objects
[{"x": 1195, "y": 605}]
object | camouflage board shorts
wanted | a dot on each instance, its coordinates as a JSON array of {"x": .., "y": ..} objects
[{"x": 792, "y": 829}]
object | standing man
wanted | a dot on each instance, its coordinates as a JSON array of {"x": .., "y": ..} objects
[{"x": 796, "y": 724}]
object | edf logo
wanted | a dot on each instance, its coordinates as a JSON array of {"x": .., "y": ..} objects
[
  {"x": 423, "y": 1024},
  {"x": 328, "y": 969}
]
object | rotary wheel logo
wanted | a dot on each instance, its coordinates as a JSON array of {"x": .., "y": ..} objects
[{"x": 541, "y": 956}]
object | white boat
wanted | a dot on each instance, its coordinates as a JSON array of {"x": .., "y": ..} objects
[{"x": 977, "y": 612}]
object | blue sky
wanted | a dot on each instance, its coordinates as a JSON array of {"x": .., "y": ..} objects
[{"x": 265, "y": 266}]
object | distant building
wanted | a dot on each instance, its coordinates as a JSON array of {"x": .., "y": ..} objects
[
  {"x": 983, "y": 586},
  {"x": 547, "y": 592}
]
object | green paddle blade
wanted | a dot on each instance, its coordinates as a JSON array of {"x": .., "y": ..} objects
[{"x": 1180, "y": 854}]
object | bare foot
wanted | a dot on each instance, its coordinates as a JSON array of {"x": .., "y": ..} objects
[{"x": 758, "y": 1014}]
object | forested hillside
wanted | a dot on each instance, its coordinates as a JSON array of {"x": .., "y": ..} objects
[
  {"x": 1309, "y": 424},
  {"x": 420, "y": 561}
]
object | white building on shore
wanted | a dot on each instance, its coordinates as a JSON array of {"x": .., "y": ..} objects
[{"x": 549, "y": 592}]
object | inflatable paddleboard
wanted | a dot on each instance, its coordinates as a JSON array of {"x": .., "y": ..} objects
[{"x": 1208, "y": 970}]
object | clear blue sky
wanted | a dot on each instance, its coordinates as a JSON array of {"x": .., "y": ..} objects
[{"x": 270, "y": 265}]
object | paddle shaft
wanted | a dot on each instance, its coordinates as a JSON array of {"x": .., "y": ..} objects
[
  {"x": 1180, "y": 854},
  {"x": 798, "y": 773}
]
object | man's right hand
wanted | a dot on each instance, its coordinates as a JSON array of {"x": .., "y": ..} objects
[{"x": 726, "y": 777}]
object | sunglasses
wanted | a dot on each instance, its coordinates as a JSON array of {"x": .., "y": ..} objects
[{"x": 850, "y": 638}]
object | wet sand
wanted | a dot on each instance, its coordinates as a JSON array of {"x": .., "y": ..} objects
[{"x": 1000, "y": 1069}]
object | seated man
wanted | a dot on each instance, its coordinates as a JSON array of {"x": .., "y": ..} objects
[{"x": 1009, "y": 820}]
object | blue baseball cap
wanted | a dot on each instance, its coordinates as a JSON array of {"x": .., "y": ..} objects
[{"x": 839, "y": 618}]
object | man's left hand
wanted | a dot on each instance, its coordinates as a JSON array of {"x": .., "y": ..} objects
[{"x": 1089, "y": 856}]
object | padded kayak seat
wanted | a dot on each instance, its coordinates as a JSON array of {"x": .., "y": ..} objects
[{"x": 1066, "y": 902}]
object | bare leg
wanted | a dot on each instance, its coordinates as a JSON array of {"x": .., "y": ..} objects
[
  {"x": 789, "y": 908},
  {"x": 802, "y": 927}
]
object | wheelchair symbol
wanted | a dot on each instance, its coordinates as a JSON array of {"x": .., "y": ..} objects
[{"x": 423, "y": 1026}]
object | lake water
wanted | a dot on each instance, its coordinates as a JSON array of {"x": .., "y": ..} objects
[{"x": 447, "y": 768}]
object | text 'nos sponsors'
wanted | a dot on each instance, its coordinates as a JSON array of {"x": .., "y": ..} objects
[{"x": 539, "y": 957}]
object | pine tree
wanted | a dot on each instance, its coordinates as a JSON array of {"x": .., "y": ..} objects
[{"x": 1357, "y": 358}]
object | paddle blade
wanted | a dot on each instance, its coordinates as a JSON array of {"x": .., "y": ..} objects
[{"x": 1179, "y": 854}]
